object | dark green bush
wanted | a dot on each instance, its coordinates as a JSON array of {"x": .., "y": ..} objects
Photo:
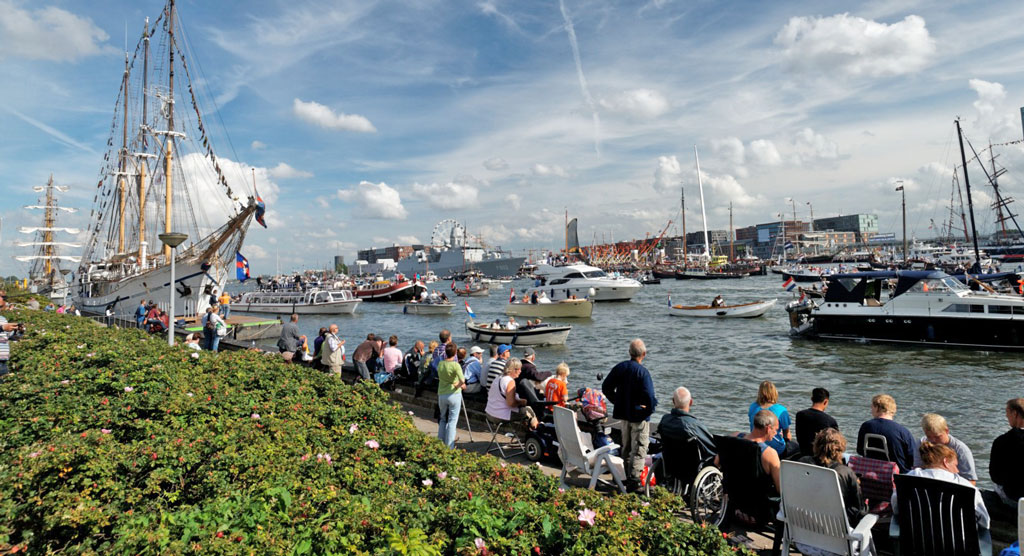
[{"x": 112, "y": 442}]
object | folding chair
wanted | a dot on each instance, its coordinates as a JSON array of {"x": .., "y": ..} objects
[
  {"x": 876, "y": 481},
  {"x": 494, "y": 425}
]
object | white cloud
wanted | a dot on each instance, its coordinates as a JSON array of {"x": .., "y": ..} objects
[
  {"x": 322, "y": 202},
  {"x": 730, "y": 149},
  {"x": 284, "y": 171},
  {"x": 409, "y": 240},
  {"x": 763, "y": 152},
  {"x": 995, "y": 116},
  {"x": 854, "y": 46},
  {"x": 549, "y": 170},
  {"x": 320, "y": 115},
  {"x": 451, "y": 195},
  {"x": 811, "y": 146},
  {"x": 495, "y": 164},
  {"x": 253, "y": 251},
  {"x": 513, "y": 200},
  {"x": 727, "y": 189},
  {"x": 215, "y": 207},
  {"x": 666, "y": 175},
  {"x": 375, "y": 200},
  {"x": 49, "y": 34},
  {"x": 638, "y": 103},
  {"x": 258, "y": 145}
]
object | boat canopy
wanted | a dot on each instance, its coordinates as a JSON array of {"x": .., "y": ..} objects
[{"x": 855, "y": 287}]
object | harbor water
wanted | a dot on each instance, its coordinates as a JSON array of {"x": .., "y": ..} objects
[{"x": 722, "y": 361}]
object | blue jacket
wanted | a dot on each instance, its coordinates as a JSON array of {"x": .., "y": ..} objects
[{"x": 628, "y": 387}]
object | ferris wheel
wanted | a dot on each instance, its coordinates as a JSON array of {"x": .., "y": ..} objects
[{"x": 447, "y": 234}]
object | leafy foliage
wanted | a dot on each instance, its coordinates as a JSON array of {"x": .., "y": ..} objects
[{"x": 111, "y": 442}]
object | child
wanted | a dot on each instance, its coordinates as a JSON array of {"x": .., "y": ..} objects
[{"x": 557, "y": 389}]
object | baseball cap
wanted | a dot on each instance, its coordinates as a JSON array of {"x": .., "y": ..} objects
[
  {"x": 475, "y": 349},
  {"x": 503, "y": 348},
  {"x": 528, "y": 352}
]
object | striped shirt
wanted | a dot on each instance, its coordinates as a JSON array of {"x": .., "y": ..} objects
[
  {"x": 495, "y": 370},
  {"x": 5, "y": 348}
]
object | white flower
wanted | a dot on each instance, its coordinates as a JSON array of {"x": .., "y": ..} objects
[
  {"x": 427, "y": 482},
  {"x": 255, "y": 416},
  {"x": 129, "y": 389},
  {"x": 353, "y": 428}
]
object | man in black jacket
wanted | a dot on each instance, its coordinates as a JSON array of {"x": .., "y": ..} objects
[
  {"x": 630, "y": 388},
  {"x": 1007, "y": 454}
]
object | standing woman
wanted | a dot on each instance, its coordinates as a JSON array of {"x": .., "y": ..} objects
[{"x": 451, "y": 383}]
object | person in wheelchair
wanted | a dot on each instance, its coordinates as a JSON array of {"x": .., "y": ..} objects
[{"x": 680, "y": 426}]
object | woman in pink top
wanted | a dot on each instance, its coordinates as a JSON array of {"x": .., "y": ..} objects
[{"x": 392, "y": 355}]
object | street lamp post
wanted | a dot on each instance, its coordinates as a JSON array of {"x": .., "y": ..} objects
[
  {"x": 172, "y": 240},
  {"x": 903, "y": 193}
]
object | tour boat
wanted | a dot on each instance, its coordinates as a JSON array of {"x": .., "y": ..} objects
[
  {"x": 472, "y": 289},
  {"x": 566, "y": 308},
  {"x": 398, "y": 289},
  {"x": 543, "y": 334},
  {"x": 743, "y": 311},
  {"x": 581, "y": 280},
  {"x": 927, "y": 308},
  {"x": 428, "y": 308},
  {"x": 312, "y": 302}
]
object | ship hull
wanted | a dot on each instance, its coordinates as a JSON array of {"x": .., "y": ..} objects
[
  {"x": 452, "y": 261},
  {"x": 192, "y": 283}
]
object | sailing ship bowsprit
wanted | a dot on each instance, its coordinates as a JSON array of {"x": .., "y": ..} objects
[
  {"x": 160, "y": 175},
  {"x": 46, "y": 274}
]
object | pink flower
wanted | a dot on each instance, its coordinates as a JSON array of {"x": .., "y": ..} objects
[
  {"x": 255, "y": 415},
  {"x": 353, "y": 428},
  {"x": 105, "y": 431},
  {"x": 562, "y": 490},
  {"x": 645, "y": 504},
  {"x": 304, "y": 457},
  {"x": 503, "y": 464},
  {"x": 480, "y": 545},
  {"x": 586, "y": 517},
  {"x": 427, "y": 482},
  {"x": 635, "y": 513},
  {"x": 372, "y": 444},
  {"x": 34, "y": 455},
  {"x": 65, "y": 382},
  {"x": 129, "y": 389},
  {"x": 327, "y": 458},
  {"x": 442, "y": 475}
]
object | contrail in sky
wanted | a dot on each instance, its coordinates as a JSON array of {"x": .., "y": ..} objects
[
  {"x": 56, "y": 134},
  {"x": 579, "y": 73}
]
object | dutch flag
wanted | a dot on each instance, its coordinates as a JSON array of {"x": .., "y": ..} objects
[
  {"x": 511, "y": 295},
  {"x": 472, "y": 315},
  {"x": 788, "y": 245},
  {"x": 789, "y": 284}
]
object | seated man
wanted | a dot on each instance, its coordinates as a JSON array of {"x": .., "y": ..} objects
[
  {"x": 1007, "y": 454},
  {"x": 813, "y": 420},
  {"x": 679, "y": 425},
  {"x": 473, "y": 370},
  {"x": 718, "y": 301},
  {"x": 936, "y": 431},
  {"x": 901, "y": 443},
  {"x": 766, "y": 426}
]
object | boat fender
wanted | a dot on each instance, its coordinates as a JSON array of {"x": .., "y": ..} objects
[{"x": 592, "y": 292}]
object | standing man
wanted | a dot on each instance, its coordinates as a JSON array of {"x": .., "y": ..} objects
[
  {"x": 290, "y": 339},
  {"x": 429, "y": 376},
  {"x": 812, "y": 420},
  {"x": 363, "y": 353},
  {"x": 332, "y": 351},
  {"x": 1007, "y": 453},
  {"x": 140, "y": 313},
  {"x": 225, "y": 304},
  {"x": 630, "y": 388}
]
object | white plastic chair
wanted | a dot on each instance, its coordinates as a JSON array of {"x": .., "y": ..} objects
[
  {"x": 814, "y": 514},
  {"x": 1020, "y": 521},
  {"x": 578, "y": 455}
]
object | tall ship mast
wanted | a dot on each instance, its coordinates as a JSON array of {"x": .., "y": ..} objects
[
  {"x": 46, "y": 274},
  {"x": 160, "y": 174}
]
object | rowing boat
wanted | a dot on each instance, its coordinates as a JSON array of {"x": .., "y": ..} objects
[{"x": 744, "y": 311}]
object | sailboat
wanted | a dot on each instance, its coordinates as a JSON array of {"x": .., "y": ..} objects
[
  {"x": 161, "y": 175},
  {"x": 703, "y": 273},
  {"x": 46, "y": 274}
]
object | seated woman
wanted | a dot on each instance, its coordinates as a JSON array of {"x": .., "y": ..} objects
[
  {"x": 940, "y": 463},
  {"x": 829, "y": 445},
  {"x": 768, "y": 398},
  {"x": 502, "y": 399}
]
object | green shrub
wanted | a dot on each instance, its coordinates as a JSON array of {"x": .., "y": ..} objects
[{"x": 114, "y": 443}]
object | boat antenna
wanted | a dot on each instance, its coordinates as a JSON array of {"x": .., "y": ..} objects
[{"x": 976, "y": 268}]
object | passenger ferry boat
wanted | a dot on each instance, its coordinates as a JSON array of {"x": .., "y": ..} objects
[
  {"x": 312, "y": 302},
  {"x": 928, "y": 308},
  {"x": 399, "y": 289},
  {"x": 585, "y": 281}
]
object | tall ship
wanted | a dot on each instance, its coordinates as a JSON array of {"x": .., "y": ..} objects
[
  {"x": 47, "y": 275},
  {"x": 160, "y": 175},
  {"x": 453, "y": 251}
]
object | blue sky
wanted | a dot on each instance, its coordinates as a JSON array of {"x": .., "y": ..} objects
[{"x": 368, "y": 122}]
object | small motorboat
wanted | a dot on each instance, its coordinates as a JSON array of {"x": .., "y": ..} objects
[
  {"x": 472, "y": 288},
  {"x": 803, "y": 274},
  {"x": 566, "y": 308},
  {"x": 427, "y": 308},
  {"x": 743, "y": 311},
  {"x": 540, "y": 335}
]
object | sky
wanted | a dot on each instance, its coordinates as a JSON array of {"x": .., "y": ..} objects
[{"x": 368, "y": 122}]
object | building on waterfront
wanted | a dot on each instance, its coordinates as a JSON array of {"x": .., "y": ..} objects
[
  {"x": 863, "y": 225},
  {"x": 767, "y": 239},
  {"x": 393, "y": 253},
  {"x": 339, "y": 263}
]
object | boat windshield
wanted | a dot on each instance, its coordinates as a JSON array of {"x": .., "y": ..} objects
[
  {"x": 946, "y": 284},
  {"x": 595, "y": 274}
]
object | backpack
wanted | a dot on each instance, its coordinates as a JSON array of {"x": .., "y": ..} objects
[{"x": 595, "y": 405}]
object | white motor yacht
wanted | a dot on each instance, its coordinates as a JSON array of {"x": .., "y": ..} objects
[{"x": 585, "y": 281}]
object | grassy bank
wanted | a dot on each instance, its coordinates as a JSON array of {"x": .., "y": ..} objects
[{"x": 112, "y": 442}]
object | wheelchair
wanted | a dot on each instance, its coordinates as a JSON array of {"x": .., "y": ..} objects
[{"x": 686, "y": 471}]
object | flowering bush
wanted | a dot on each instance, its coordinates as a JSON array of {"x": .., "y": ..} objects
[{"x": 114, "y": 443}]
